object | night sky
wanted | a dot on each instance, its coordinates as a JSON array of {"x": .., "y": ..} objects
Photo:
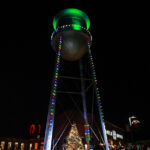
[{"x": 27, "y": 64}]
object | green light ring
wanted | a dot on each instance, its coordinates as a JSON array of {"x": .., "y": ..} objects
[{"x": 73, "y": 13}]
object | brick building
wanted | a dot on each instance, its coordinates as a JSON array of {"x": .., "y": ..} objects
[{"x": 115, "y": 134}]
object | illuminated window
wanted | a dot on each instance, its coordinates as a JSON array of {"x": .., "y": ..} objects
[
  {"x": 111, "y": 142},
  {"x": 9, "y": 145},
  {"x": 36, "y": 146},
  {"x": 41, "y": 147},
  {"x": 85, "y": 146},
  {"x": 2, "y": 145},
  {"x": 22, "y": 146},
  {"x": 30, "y": 146},
  {"x": 16, "y": 146}
]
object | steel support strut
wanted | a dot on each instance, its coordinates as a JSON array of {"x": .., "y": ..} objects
[
  {"x": 86, "y": 126},
  {"x": 98, "y": 97},
  {"x": 51, "y": 109}
]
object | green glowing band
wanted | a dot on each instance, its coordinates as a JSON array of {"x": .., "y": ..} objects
[{"x": 76, "y": 16}]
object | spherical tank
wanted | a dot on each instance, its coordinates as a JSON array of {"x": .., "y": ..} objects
[{"x": 72, "y": 25}]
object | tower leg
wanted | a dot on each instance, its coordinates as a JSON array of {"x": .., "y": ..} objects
[
  {"x": 51, "y": 109},
  {"x": 86, "y": 126},
  {"x": 98, "y": 98}
]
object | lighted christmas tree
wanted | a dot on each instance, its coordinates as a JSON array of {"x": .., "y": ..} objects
[{"x": 74, "y": 141}]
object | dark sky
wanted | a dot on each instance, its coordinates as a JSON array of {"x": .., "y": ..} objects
[{"x": 27, "y": 63}]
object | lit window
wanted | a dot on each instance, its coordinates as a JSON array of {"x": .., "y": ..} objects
[
  {"x": 22, "y": 146},
  {"x": 41, "y": 147},
  {"x": 16, "y": 146},
  {"x": 111, "y": 142},
  {"x": 2, "y": 145},
  {"x": 85, "y": 146},
  {"x": 9, "y": 145},
  {"x": 36, "y": 146},
  {"x": 30, "y": 146}
]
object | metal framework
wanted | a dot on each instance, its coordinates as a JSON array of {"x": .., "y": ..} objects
[
  {"x": 72, "y": 25},
  {"x": 82, "y": 93},
  {"x": 93, "y": 82}
]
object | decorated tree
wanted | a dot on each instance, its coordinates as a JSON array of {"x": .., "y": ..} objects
[{"x": 74, "y": 141}]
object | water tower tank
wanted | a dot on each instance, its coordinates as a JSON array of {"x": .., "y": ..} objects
[{"x": 72, "y": 25}]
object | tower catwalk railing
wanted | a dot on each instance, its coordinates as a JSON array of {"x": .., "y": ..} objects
[{"x": 51, "y": 109}]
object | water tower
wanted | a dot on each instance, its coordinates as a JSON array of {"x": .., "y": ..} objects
[{"x": 71, "y": 40}]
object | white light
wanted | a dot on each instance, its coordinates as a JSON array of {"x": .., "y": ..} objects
[
  {"x": 9, "y": 144},
  {"x": 85, "y": 146},
  {"x": 119, "y": 136},
  {"x": 30, "y": 145},
  {"x": 109, "y": 132},
  {"x": 114, "y": 134}
]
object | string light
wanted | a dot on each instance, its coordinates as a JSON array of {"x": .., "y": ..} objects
[
  {"x": 53, "y": 99},
  {"x": 50, "y": 120},
  {"x": 87, "y": 132},
  {"x": 71, "y": 27},
  {"x": 94, "y": 78},
  {"x": 97, "y": 95}
]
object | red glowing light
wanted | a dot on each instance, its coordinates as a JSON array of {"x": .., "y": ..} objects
[
  {"x": 32, "y": 129},
  {"x": 39, "y": 128}
]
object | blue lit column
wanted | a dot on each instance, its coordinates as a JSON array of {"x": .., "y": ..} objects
[
  {"x": 51, "y": 109},
  {"x": 86, "y": 126}
]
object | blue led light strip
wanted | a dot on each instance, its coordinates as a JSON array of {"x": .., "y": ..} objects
[
  {"x": 51, "y": 111},
  {"x": 98, "y": 97},
  {"x": 87, "y": 133},
  {"x": 86, "y": 126}
]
